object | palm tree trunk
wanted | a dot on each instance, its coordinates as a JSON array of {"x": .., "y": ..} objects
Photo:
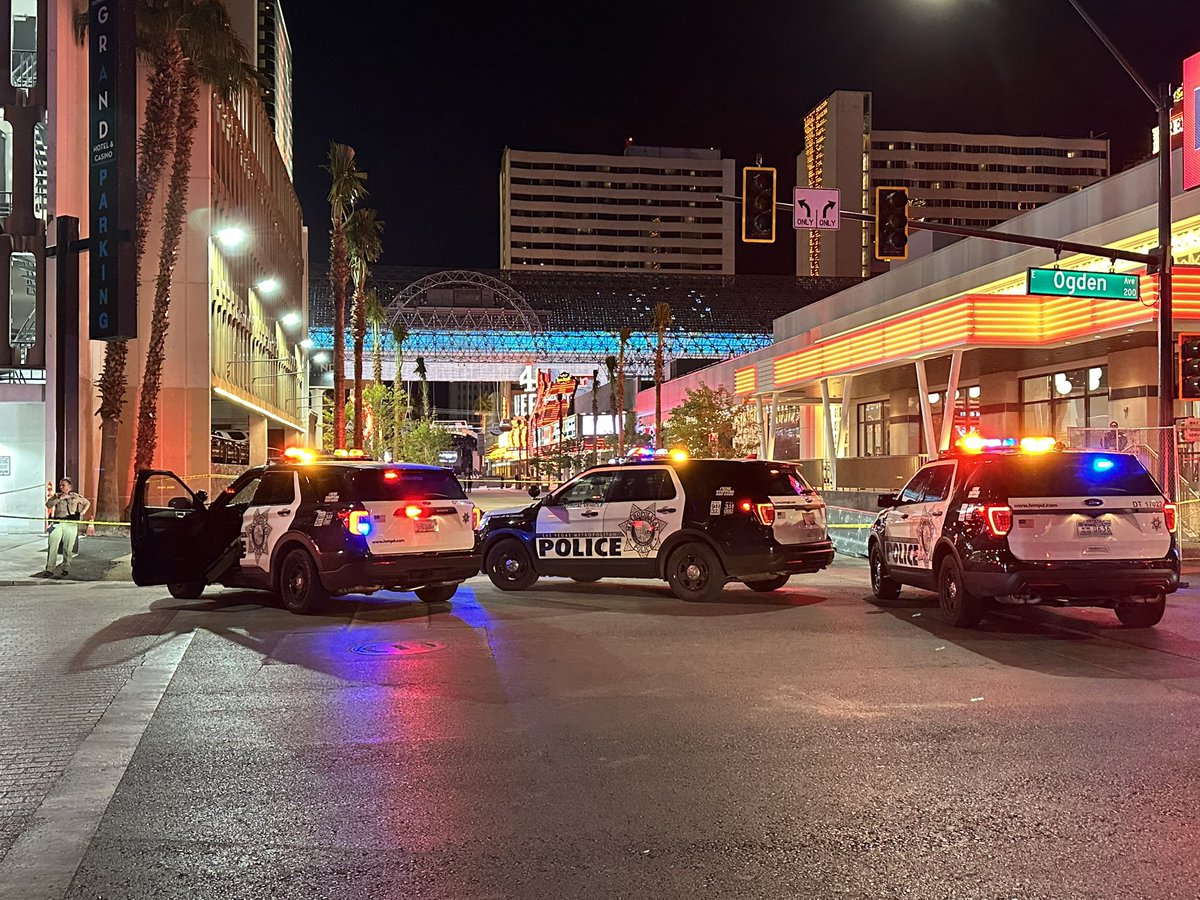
[
  {"x": 595, "y": 417},
  {"x": 341, "y": 275},
  {"x": 358, "y": 325},
  {"x": 658, "y": 379},
  {"x": 174, "y": 213},
  {"x": 376, "y": 355},
  {"x": 154, "y": 145},
  {"x": 621, "y": 400}
]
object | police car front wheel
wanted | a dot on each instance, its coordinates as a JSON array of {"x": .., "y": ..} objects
[
  {"x": 299, "y": 584},
  {"x": 509, "y": 567},
  {"x": 695, "y": 573},
  {"x": 882, "y": 586}
]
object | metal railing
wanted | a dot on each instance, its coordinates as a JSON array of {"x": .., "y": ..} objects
[{"x": 24, "y": 68}]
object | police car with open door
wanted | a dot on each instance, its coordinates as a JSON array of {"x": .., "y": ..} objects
[
  {"x": 307, "y": 527},
  {"x": 696, "y": 523},
  {"x": 1001, "y": 521}
]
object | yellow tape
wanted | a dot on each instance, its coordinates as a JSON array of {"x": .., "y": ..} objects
[{"x": 76, "y": 521}]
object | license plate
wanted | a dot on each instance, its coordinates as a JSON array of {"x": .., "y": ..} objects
[
  {"x": 426, "y": 526},
  {"x": 1093, "y": 529}
]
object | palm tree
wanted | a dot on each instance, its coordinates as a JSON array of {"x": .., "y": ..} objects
[
  {"x": 345, "y": 190},
  {"x": 662, "y": 321},
  {"x": 595, "y": 416},
  {"x": 485, "y": 406},
  {"x": 623, "y": 336},
  {"x": 424, "y": 376},
  {"x": 161, "y": 43},
  {"x": 364, "y": 246},
  {"x": 610, "y": 365},
  {"x": 399, "y": 398},
  {"x": 213, "y": 55}
]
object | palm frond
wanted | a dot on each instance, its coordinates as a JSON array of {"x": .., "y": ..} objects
[{"x": 347, "y": 185}]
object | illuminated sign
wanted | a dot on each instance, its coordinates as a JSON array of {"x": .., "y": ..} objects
[
  {"x": 1070, "y": 283},
  {"x": 1191, "y": 122},
  {"x": 112, "y": 106}
]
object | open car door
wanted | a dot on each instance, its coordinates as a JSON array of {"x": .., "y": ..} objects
[{"x": 167, "y": 533}]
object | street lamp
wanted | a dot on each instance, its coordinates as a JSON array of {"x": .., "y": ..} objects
[
  {"x": 231, "y": 237},
  {"x": 268, "y": 285},
  {"x": 1162, "y": 105},
  {"x": 290, "y": 320},
  {"x": 320, "y": 358}
]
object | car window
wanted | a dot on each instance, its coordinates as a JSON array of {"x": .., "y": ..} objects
[
  {"x": 937, "y": 488},
  {"x": 592, "y": 488},
  {"x": 1072, "y": 475},
  {"x": 914, "y": 491},
  {"x": 276, "y": 489},
  {"x": 322, "y": 485},
  {"x": 244, "y": 493},
  {"x": 405, "y": 484},
  {"x": 785, "y": 481},
  {"x": 642, "y": 485}
]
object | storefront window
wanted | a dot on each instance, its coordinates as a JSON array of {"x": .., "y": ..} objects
[
  {"x": 873, "y": 428},
  {"x": 1050, "y": 404},
  {"x": 966, "y": 411}
]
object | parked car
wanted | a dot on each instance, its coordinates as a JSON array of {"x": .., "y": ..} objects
[
  {"x": 308, "y": 527},
  {"x": 1024, "y": 522},
  {"x": 696, "y": 523}
]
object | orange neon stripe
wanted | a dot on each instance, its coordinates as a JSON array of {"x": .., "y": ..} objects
[
  {"x": 1013, "y": 320},
  {"x": 745, "y": 380}
]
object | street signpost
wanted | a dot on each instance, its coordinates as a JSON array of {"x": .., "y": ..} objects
[
  {"x": 818, "y": 208},
  {"x": 1092, "y": 285}
]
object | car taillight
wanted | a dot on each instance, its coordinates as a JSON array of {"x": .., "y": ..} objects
[
  {"x": 765, "y": 513},
  {"x": 999, "y": 519},
  {"x": 357, "y": 521},
  {"x": 476, "y": 518},
  {"x": 1170, "y": 515},
  {"x": 412, "y": 511}
]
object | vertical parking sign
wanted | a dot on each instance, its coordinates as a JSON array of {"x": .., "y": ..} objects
[
  {"x": 112, "y": 123},
  {"x": 1191, "y": 122}
]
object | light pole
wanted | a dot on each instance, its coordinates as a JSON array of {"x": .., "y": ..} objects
[{"x": 1166, "y": 346}]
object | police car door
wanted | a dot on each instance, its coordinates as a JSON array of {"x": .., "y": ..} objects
[
  {"x": 645, "y": 506},
  {"x": 266, "y": 519},
  {"x": 570, "y": 530},
  {"x": 925, "y": 517},
  {"x": 899, "y": 533}
]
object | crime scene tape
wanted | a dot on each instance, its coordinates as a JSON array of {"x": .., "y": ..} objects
[{"x": 76, "y": 521}]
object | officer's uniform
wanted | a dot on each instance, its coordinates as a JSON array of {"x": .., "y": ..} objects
[{"x": 66, "y": 509}]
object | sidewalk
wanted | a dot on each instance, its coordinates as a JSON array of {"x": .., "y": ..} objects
[{"x": 101, "y": 558}]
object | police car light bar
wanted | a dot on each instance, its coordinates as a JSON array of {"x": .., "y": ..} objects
[{"x": 977, "y": 443}]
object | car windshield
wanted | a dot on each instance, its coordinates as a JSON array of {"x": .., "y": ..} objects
[
  {"x": 1075, "y": 475},
  {"x": 784, "y": 481},
  {"x": 406, "y": 484}
]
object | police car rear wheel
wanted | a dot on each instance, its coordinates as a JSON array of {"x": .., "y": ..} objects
[
  {"x": 187, "y": 590},
  {"x": 437, "y": 593},
  {"x": 694, "y": 573},
  {"x": 765, "y": 585},
  {"x": 509, "y": 567},
  {"x": 959, "y": 607},
  {"x": 1142, "y": 615},
  {"x": 299, "y": 584},
  {"x": 883, "y": 587}
]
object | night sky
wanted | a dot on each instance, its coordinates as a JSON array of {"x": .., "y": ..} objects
[{"x": 429, "y": 94}]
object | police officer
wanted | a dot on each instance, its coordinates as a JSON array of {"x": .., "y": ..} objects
[{"x": 66, "y": 508}]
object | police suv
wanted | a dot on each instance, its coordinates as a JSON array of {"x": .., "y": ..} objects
[
  {"x": 308, "y": 526},
  {"x": 1001, "y": 521},
  {"x": 697, "y": 523}
]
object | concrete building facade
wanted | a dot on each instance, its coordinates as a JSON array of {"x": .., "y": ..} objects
[
  {"x": 954, "y": 178},
  {"x": 652, "y": 208},
  {"x": 235, "y": 352}
]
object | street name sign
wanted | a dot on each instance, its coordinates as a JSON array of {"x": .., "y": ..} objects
[
  {"x": 1092, "y": 285},
  {"x": 817, "y": 208}
]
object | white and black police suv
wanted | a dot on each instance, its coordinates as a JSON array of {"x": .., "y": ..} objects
[
  {"x": 1002, "y": 521},
  {"x": 697, "y": 523},
  {"x": 308, "y": 526}
]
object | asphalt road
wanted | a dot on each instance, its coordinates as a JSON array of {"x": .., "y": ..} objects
[{"x": 598, "y": 741}]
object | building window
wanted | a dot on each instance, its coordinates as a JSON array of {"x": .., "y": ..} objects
[
  {"x": 966, "y": 411},
  {"x": 873, "y": 428},
  {"x": 1050, "y": 404}
]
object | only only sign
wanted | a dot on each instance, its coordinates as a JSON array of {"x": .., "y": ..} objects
[{"x": 817, "y": 208}]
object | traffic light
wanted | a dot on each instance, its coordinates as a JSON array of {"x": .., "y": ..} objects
[
  {"x": 891, "y": 223},
  {"x": 758, "y": 205},
  {"x": 1189, "y": 366}
]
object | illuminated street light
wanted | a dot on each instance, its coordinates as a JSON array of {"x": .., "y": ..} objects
[
  {"x": 320, "y": 358},
  {"x": 306, "y": 343},
  {"x": 268, "y": 285},
  {"x": 290, "y": 320},
  {"x": 231, "y": 237}
]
